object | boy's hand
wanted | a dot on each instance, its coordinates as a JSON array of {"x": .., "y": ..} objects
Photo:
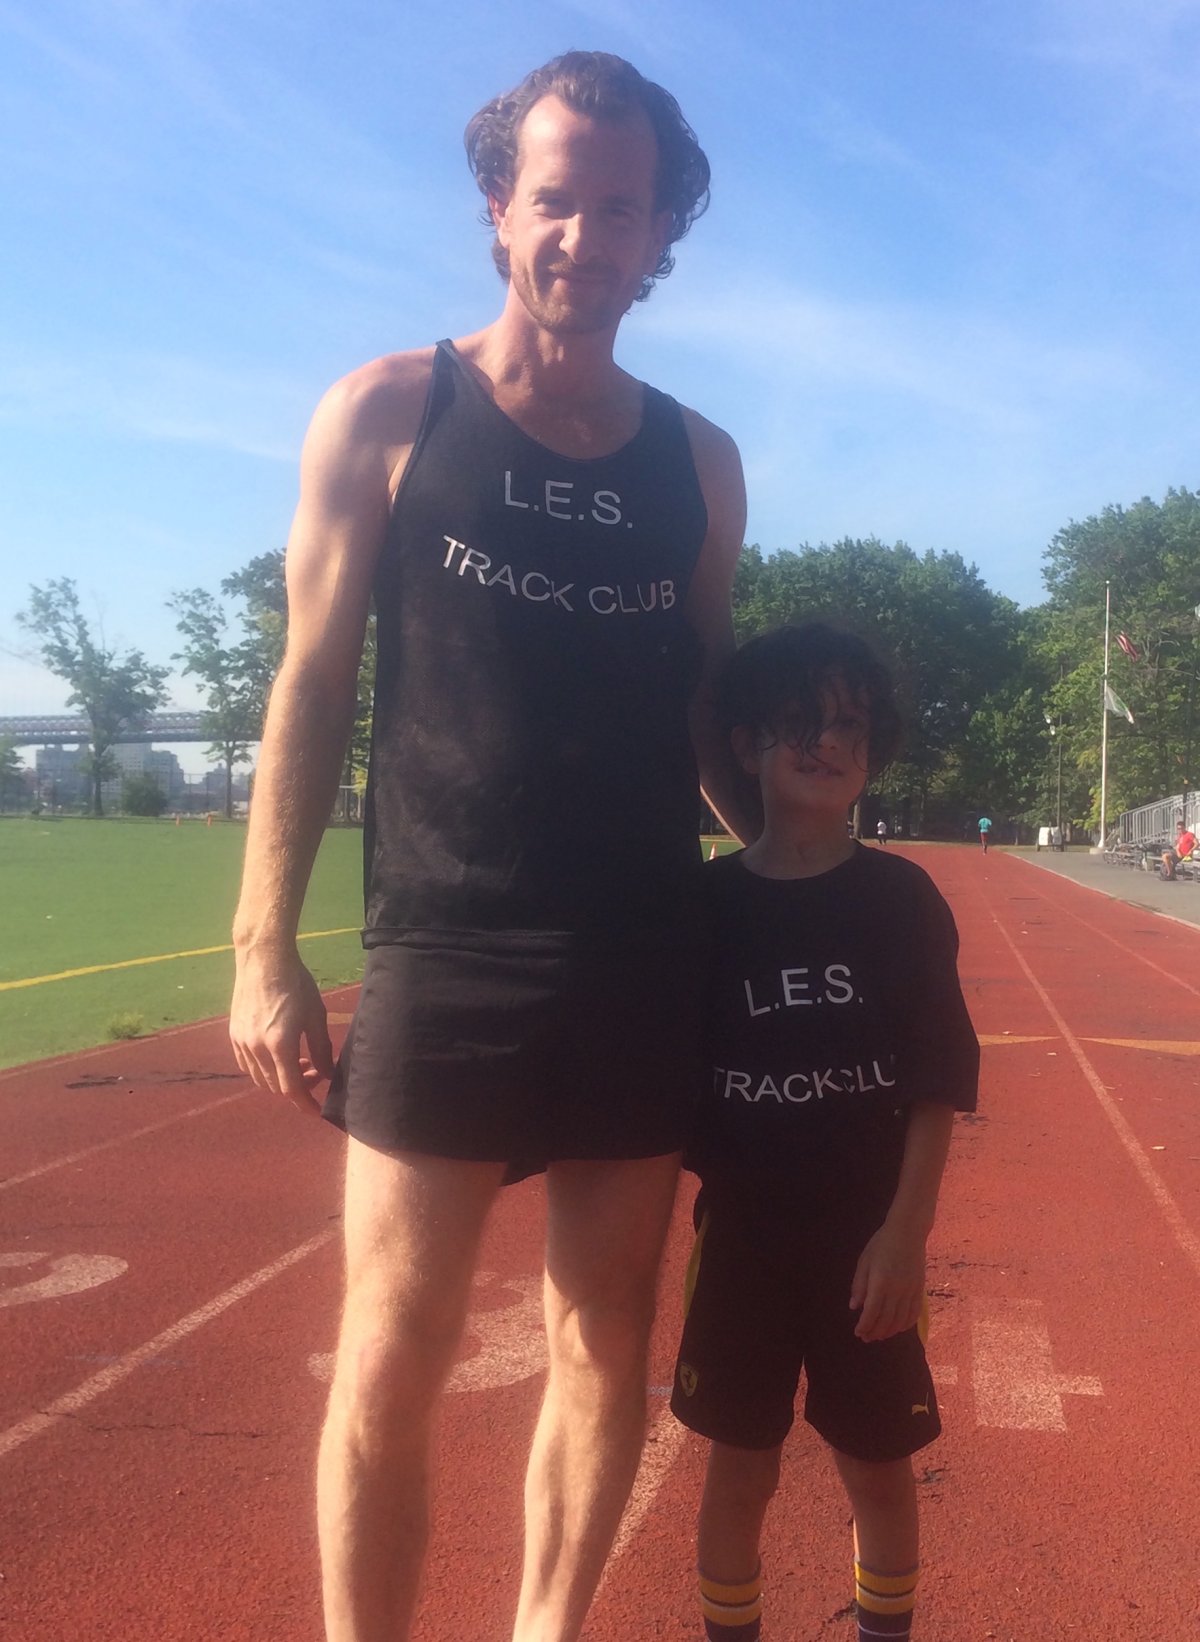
[{"x": 889, "y": 1284}]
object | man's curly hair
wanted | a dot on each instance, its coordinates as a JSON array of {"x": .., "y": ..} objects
[{"x": 607, "y": 88}]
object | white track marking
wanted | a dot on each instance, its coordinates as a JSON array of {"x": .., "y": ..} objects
[
  {"x": 1013, "y": 1375},
  {"x": 124, "y": 1366},
  {"x": 68, "y": 1274},
  {"x": 119, "y": 1140},
  {"x": 664, "y": 1438},
  {"x": 1172, "y": 1214},
  {"x": 513, "y": 1348},
  {"x": 1126, "y": 951},
  {"x": 512, "y": 1340}
]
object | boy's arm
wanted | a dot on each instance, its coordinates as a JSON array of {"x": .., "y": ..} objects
[{"x": 889, "y": 1280}]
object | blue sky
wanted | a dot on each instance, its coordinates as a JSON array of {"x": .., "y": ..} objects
[{"x": 945, "y": 292}]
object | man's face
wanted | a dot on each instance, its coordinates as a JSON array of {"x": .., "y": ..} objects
[{"x": 580, "y": 226}]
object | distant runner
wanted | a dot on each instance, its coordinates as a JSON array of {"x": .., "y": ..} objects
[
  {"x": 881, "y": 831},
  {"x": 985, "y": 826}
]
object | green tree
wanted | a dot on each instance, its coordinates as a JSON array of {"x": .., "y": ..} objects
[
  {"x": 262, "y": 588},
  {"x": 1149, "y": 554},
  {"x": 142, "y": 795},
  {"x": 12, "y": 783},
  {"x": 230, "y": 676},
  {"x": 358, "y": 750},
  {"x": 114, "y": 691}
]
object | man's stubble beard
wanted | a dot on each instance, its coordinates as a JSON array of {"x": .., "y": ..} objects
[{"x": 604, "y": 312}]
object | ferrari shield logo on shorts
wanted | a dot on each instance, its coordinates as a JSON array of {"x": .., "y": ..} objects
[{"x": 688, "y": 1379}]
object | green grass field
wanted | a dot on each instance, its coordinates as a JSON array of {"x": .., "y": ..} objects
[{"x": 80, "y": 893}]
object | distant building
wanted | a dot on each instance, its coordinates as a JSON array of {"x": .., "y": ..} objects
[
  {"x": 63, "y": 783},
  {"x": 61, "y": 780},
  {"x": 136, "y": 758}
]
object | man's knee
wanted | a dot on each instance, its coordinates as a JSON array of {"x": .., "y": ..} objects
[
  {"x": 607, "y": 1333},
  {"x": 395, "y": 1349}
]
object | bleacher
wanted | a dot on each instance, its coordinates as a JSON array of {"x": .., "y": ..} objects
[{"x": 1140, "y": 836}]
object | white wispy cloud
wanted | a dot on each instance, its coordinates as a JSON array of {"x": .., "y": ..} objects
[
  {"x": 255, "y": 412},
  {"x": 964, "y": 363}
]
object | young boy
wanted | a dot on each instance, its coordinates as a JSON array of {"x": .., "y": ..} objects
[{"x": 841, "y": 1048}]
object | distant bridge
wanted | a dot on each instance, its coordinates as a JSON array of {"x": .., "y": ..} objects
[{"x": 57, "y": 729}]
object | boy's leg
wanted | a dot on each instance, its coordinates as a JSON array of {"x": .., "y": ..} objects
[
  {"x": 738, "y": 1487},
  {"x": 883, "y": 1498}
]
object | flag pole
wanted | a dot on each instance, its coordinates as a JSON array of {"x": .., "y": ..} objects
[{"x": 1104, "y": 725}]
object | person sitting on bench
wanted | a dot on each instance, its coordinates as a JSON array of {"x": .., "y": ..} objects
[{"x": 1185, "y": 843}]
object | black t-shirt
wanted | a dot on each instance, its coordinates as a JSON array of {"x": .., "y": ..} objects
[{"x": 835, "y": 1003}]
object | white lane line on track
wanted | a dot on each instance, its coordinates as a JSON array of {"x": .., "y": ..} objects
[
  {"x": 1125, "y": 951},
  {"x": 1184, "y": 1235},
  {"x": 664, "y": 1439},
  {"x": 98, "y": 1384},
  {"x": 118, "y": 1140}
]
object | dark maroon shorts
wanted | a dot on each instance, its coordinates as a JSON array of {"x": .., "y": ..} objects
[
  {"x": 754, "y": 1322},
  {"x": 534, "y": 1053}
]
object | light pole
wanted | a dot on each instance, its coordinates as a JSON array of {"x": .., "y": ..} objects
[{"x": 1055, "y": 728}]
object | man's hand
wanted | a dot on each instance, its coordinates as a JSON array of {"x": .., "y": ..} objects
[
  {"x": 276, "y": 1005},
  {"x": 889, "y": 1283}
]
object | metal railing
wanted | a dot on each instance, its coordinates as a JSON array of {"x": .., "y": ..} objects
[{"x": 1150, "y": 823}]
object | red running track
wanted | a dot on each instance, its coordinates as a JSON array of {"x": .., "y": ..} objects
[{"x": 169, "y": 1278}]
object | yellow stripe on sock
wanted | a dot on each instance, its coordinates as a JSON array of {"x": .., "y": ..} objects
[
  {"x": 739, "y": 1603},
  {"x": 744, "y": 1592},
  {"x": 886, "y": 1604},
  {"x": 722, "y": 1613},
  {"x": 885, "y": 1586}
]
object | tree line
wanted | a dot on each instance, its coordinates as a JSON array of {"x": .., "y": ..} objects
[{"x": 1002, "y": 703}]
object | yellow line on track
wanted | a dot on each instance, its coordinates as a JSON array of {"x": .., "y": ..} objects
[
  {"x": 1160, "y": 1046},
  {"x": 995, "y": 1040},
  {"x": 159, "y": 958}
]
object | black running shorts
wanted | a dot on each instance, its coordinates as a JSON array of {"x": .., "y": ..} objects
[
  {"x": 752, "y": 1325},
  {"x": 525, "y": 1055}
]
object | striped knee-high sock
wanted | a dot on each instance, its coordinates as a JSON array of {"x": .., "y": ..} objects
[
  {"x": 884, "y": 1603},
  {"x": 732, "y": 1613}
]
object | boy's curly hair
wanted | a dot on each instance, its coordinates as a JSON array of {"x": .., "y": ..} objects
[{"x": 777, "y": 685}]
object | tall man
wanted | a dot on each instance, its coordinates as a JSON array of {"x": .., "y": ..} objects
[{"x": 550, "y": 545}]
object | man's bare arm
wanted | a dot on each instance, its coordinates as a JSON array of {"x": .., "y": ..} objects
[
  {"x": 732, "y": 795},
  {"x": 347, "y": 472}
]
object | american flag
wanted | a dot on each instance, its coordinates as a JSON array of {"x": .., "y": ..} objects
[{"x": 1129, "y": 647}]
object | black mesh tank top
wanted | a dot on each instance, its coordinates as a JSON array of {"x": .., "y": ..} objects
[{"x": 531, "y": 768}]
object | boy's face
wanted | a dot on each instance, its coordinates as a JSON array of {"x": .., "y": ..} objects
[{"x": 818, "y": 776}]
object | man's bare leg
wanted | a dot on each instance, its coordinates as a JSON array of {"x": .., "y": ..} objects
[
  {"x": 413, "y": 1225},
  {"x": 605, "y": 1232}
]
